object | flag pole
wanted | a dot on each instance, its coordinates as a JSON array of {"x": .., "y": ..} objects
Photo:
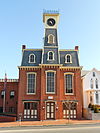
[{"x": 4, "y": 99}]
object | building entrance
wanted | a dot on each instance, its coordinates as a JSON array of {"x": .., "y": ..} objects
[
  {"x": 30, "y": 110},
  {"x": 69, "y": 110},
  {"x": 50, "y": 110}
]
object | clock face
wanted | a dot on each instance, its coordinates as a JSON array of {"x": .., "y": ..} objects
[{"x": 51, "y": 22}]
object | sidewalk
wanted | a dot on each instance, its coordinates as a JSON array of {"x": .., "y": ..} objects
[{"x": 45, "y": 123}]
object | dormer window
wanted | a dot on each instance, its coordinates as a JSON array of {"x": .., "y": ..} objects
[
  {"x": 68, "y": 58},
  {"x": 31, "y": 58},
  {"x": 51, "y": 39},
  {"x": 50, "y": 55}
]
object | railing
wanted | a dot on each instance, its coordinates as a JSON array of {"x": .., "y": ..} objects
[
  {"x": 51, "y": 11},
  {"x": 9, "y": 80}
]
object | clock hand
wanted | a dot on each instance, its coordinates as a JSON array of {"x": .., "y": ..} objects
[{"x": 51, "y": 22}]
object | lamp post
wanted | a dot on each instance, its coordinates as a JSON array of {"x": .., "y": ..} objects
[{"x": 20, "y": 118}]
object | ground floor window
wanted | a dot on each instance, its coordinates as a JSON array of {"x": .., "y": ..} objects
[
  {"x": 11, "y": 110},
  {"x": 30, "y": 110},
  {"x": 69, "y": 110},
  {"x": 1, "y": 109},
  {"x": 97, "y": 97}
]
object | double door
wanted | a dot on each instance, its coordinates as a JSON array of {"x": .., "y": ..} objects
[
  {"x": 31, "y": 110},
  {"x": 69, "y": 110},
  {"x": 50, "y": 110}
]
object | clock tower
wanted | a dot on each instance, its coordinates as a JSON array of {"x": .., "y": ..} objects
[{"x": 50, "y": 54}]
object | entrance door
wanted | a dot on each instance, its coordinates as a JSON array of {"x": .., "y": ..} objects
[
  {"x": 50, "y": 110},
  {"x": 69, "y": 110},
  {"x": 30, "y": 111}
]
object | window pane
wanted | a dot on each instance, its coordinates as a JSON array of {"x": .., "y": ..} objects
[
  {"x": 31, "y": 83},
  {"x": 96, "y": 82},
  {"x": 51, "y": 55},
  {"x": 51, "y": 39},
  {"x": 97, "y": 98},
  {"x": 91, "y": 84},
  {"x": 50, "y": 82},
  {"x": 32, "y": 58},
  {"x": 68, "y": 58},
  {"x": 68, "y": 80}
]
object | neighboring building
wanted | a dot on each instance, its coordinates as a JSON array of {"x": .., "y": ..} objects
[
  {"x": 91, "y": 87},
  {"x": 49, "y": 78},
  {"x": 11, "y": 96}
]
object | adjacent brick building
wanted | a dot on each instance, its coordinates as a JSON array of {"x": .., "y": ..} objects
[{"x": 49, "y": 84}]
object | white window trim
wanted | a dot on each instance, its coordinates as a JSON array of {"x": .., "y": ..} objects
[
  {"x": 34, "y": 58},
  {"x": 35, "y": 83},
  {"x": 48, "y": 56},
  {"x": 54, "y": 81},
  {"x": 69, "y": 73},
  {"x": 49, "y": 38},
  {"x": 66, "y": 58}
]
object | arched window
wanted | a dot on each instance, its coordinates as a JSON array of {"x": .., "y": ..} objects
[
  {"x": 51, "y": 39},
  {"x": 31, "y": 58},
  {"x": 50, "y": 55},
  {"x": 68, "y": 58}
]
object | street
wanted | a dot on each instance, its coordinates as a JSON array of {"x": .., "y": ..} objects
[{"x": 54, "y": 129}]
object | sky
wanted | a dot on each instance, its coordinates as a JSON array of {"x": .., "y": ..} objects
[{"x": 21, "y": 23}]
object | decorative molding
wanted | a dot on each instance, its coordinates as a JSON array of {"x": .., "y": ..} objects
[
  {"x": 32, "y": 49},
  {"x": 67, "y": 50}
]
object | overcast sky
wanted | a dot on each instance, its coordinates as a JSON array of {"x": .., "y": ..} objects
[{"x": 21, "y": 23}]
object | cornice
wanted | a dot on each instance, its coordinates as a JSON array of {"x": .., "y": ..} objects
[
  {"x": 68, "y": 50},
  {"x": 32, "y": 49}
]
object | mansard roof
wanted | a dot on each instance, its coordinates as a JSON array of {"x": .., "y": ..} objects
[
  {"x": 25, "y": 57},
  {"x": 59, "y": 60},
  {"x": 74, "y": 55}
]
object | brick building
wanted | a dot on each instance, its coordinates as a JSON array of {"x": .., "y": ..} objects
[
  {"x": 11, "y": 96},
  {"x": 49, "y": 78}
]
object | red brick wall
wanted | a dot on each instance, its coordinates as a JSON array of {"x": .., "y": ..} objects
[
  {"x": 23, "y": 87},
  {"x": 7, "y": 119},
  {"x": 41, "y": 95},
  {"x": 9, "y": 102}
]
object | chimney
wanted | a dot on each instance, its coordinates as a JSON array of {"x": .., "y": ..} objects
[
  {"x": 77, "y": 48},
  {"x": 23, "y": 47}
]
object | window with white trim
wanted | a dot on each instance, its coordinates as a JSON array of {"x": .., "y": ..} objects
[
  {"x": 68, "y": 58},
  {"x": 51, "y": 39},
  {"x": 12, "y": 94},
  {"x": 31, "y": 58},
  {"x": 68, "y": 83},
  {"x": 97, "y": 97},
  {"x": 50, "y": 82},
  {"x": 31, "y": 83},
  {"x": 91, "y": 83},
  {"x": 96, "y": 84},
  {"x": 50, "y": 55},
  {"x": 93, "y": 74},
  {"x": 2, "y": 93}
]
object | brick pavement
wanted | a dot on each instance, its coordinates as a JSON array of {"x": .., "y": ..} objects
[{"x": 51, "y": 122}]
